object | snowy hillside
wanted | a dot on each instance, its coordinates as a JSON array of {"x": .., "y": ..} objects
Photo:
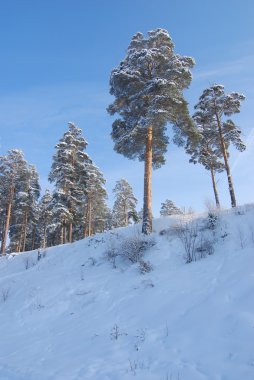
[{"x": 75, "y": 315}]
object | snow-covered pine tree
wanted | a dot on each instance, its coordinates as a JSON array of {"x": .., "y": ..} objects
[
  {"x": 124, "y": 205},
  {"x": 169, "y": 208},
  {"x": 13, "y": 175},
  {"x": 95, "y": 211},
  {"x": 45, "y": 217},
  {"x": 217, "y": 105},
  {"x": 24, "y": 216},
  {"x": 207, "y": 150},
  {"x": 67, "y": 167},
  {"x": 148, "y": 88},
  {"x": 61, "y": 217}
]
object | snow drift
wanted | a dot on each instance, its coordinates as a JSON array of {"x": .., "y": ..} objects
[{"x": 76, "y": 315}]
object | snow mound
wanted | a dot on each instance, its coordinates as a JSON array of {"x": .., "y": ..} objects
[{"x": 74, "y": 315}]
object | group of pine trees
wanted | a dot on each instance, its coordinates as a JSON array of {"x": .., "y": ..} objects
[
  {"x": 76, "y": 207},
  {"x": 148, "y": 87}
]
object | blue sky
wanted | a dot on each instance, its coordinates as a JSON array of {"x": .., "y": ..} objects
[{"x": 56, "y": 60}]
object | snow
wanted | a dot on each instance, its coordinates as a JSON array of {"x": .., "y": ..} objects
[{"x": 194, "y": 321}]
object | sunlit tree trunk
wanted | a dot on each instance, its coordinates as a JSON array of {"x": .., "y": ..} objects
[
  {"x": 216, "y": 195},
  {"x": 227, "y": 167},
  {"x": 147, "y": 208},
  {"x": 8, "y": 217}
]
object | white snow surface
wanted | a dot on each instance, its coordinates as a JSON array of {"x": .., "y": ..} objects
[{"x": 181, "y": 321}]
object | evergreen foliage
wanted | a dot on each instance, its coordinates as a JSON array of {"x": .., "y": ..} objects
[
  {"x": 169, "y": 208},
  {"x": 148, "y": 89},
  {"x": 19, "y": 193},
  {"x": 66, "y": 172},
  {"x": 124, "y": 205},
  {"x": 216, "y": 105}
]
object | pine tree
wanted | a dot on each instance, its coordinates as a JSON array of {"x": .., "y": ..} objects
[
  {"x": 67, "y": 167},
  {"x": 125, "y": 203},
  {"x": 217, "y": 105},
  {"x": 148, "y": 88},
  {"x": 45, "y": 217},
  {"x": 24, "y": 216},
  {"x": 95, "y": 210},
  {"x": 13, "y": 176},
  {"x": 207, "y": 150},
  {"x": 169, "y": 208}
]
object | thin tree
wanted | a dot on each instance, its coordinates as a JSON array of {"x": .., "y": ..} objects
[
  {"x": 207, "y": 151},
  {"x": 148, "y": 89},
  {"x": 13, "y": 168},
  {"x": 125, "y": 203},
  {"x": 169, "y": 208},
  {"x": 217, "y": 105}
]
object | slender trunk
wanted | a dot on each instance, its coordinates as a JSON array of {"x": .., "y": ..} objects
[
  {"x": 126, "y": 215},
  {"x": 33, "y": 238},
  {"x": 70, "y": 233},
  {"x": 89, "y": 217},
  {"x": 62, "y": 234},
  {"x": 25, "y": 232},
  {"x": 147, "y": 208},
  {"x": 44, "y": 236},
  {"x": 85, "y": 221},
  {"x": 8, "y": 217},
  {"x": 225, "y": 156},
  {"x": 216, "y": 195}
]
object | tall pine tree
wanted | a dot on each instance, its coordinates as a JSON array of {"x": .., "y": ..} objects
[
  {"x": 217, "y": 105},
  {"x": 148, "y": 89},
  {"x": 67, "y": 166},
  {"x": 207, "y": 151}
]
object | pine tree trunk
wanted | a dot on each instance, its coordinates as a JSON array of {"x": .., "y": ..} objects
[
  {"x": 7, "y": 220},
  {"x": 64, "y": 232},
  {"x": 147, "y": 208},
  {"x": 126, "y": 216},
  {"x": 216, "y": 195},
  {"x": 33, "y": 238},
  {"x": 225, "y": 156},
  {"x": 70, "y": 233},
  {"x": 89, "y": 217},
  {"x": 44, "y": 236},
  {"x": 85, "y": 222},
  {"x": 25, "y": 232}
]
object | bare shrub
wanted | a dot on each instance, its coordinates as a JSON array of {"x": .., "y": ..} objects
[
  {"x": 212, "y": 220},
  {"x": 145, "y": 266},
  {"x": 205, "y": 247},
  {"x": 112, "y": 252},
  {"x": 133, "y": 247},
  {"x": 5, "y": 292},
  {"x": 188, "y": 233},
  {"x": 115, "y": 332}
]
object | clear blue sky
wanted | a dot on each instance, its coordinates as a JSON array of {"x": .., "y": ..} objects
[{"x": 56, "y": 59}]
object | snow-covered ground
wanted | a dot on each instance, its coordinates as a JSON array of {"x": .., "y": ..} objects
[{"x": 72, "y": 316}]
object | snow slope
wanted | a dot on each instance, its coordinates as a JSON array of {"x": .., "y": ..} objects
[{"x": 59, "y": 317}]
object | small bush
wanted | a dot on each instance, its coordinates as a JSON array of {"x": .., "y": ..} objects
[
  {"x": 112, "y": 252},
  {"x": 133, "y": 248},
  {"x": 212, "y": 221},
  {"x": 145, "y": 266}
]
